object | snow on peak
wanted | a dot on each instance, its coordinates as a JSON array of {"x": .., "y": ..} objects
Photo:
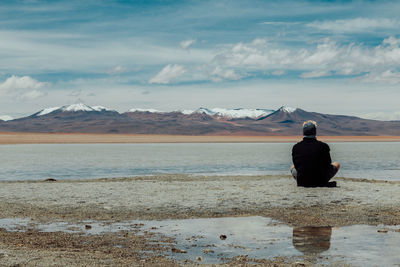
[
  {"x": 241, "y": 112},
  {"x": 151, "y": 110},
  {"x": 84, "y": 107},
  {"x": 5, "y": 118},
  {"x": 47, "y": 111},
  {"x": 101, "y": 108},
  {"x": 219, "y": 112},
  {"x": 288, "y": 109},
  {"x": 235, "y": 113},
  {"x": 72, "y": 108},
  {"x": 77, "y": 107},
  {"x": 185, "y": 111},
  {"x": 204, "y": 111}
]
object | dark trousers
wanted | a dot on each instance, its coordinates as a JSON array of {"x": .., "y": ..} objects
[{"x": 331, "y": 172}]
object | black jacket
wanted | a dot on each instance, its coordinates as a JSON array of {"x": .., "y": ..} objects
[{"x": 312, "y": 161}]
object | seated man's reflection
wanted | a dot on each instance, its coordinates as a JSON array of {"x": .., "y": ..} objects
[{"x": 312, "y": 240}]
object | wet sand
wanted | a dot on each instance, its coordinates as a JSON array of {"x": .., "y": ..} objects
[
  {"x": 82, "y": 138},
  {"x": 354, "y": 201}
]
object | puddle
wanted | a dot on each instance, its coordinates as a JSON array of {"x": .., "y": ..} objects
[
  {"x": 260, "y": 237},
  {"x": 214, "y": 239}
]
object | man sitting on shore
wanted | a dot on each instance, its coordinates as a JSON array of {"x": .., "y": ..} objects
[{"x": 312, "y": 162}]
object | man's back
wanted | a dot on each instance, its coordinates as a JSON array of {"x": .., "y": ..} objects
[{"x": 312, "y": 161}]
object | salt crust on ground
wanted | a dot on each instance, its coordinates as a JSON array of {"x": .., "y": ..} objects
[{"x": 182, "y": 196}]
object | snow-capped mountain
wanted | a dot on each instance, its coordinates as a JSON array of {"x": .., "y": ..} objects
[
  {"x": 71, "y": 108},
  {"x": 81, "y": 118},
  {"x": 235, "y": 113},
  {"x": 186, "y": 111},
  {"x": 287, "y": 109},
  {"x": 288, "y": 115},
  {"x": 217, "y": 112},
  {"x": 46, "y": 111},
  {"x": 241, "y": 113},
  {"x": 5, "y": 118},
  {"x": 204, "y": 111},
  {"x": 151, "y": 110}
]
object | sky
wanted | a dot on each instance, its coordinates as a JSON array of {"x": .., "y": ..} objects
[{"x": 336, "y": 57}]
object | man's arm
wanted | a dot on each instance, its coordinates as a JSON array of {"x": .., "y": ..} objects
[
  {"x": 294, "y": 155},
  {"x": 327, "y": 156}
]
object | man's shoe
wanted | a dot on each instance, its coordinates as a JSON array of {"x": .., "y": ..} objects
[{"x": 331, "y": 184}]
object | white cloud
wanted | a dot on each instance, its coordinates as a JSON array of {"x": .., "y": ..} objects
[
  {"x": 326, "y": 52},
  {"x": 117, "y": 70},
  {"x": 278, "y": 72},
  {"x": 315, "y": 74},
  {"x": 168, "y": 73},
  {"x": 382, "y": 116},
  {"x": 15, "y": 83},
  {"x": 33, "y": 95},
  {"x": 355, "y": 25},
  {"x": 188, "y": 43},
  {"x": 219, "y": 74},
  {"x": 25, "y": 50},
  {"x": 326, "y": 58},
  {"x": 384, "y": 77},
  {"x": 391, "y": 41},
  {"x": 280, "y": 23},
  {"x": 23, "y": 88}
]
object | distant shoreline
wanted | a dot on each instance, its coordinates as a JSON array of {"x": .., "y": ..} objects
[{"x": 93, "y": 138}]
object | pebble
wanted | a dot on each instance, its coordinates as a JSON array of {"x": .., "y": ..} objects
[{"x": 177, "y": 250}]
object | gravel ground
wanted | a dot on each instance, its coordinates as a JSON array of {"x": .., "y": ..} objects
[
  {"x": 354, "y": 201},
  {"x": 183, "y": 196}
]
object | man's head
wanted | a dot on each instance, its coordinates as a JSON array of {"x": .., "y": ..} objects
[{"x": 309, "y": 128}]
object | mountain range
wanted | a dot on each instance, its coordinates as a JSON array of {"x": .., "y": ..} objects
[{"x": 80, "y": 118}]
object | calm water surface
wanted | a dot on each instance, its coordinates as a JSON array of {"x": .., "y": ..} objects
[
  {"x": 76, "y": 161},
  {"x": 257, "y": 237}
]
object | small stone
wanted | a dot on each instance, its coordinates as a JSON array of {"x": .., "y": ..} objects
[
  {"x": 88, "y": 226},
  {"x": 384, "y": 231},
  {"x": 242, "y": 258},
  {"x": 207, "y": 250},
  {"x": 50, "y": 180},
  {"x": 3, "y": 254},
  {"x": 198, "y": 258},
  {"x": 222, "y": 237},
  {"x": 177, "y": 250}
]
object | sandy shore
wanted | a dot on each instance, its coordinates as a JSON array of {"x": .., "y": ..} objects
[
  {"x": 77, "y": 138},
  {"x": 354, "y": 201}
]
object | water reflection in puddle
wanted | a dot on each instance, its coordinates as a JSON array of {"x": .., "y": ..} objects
[
  {"x": 312, "y": 240},
  {"x": 258, "y": 237}
]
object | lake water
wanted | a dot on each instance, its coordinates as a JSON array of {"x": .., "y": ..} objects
[
  {"x": 215, "y": 239},
  {"x": 76, "y": 161}
]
